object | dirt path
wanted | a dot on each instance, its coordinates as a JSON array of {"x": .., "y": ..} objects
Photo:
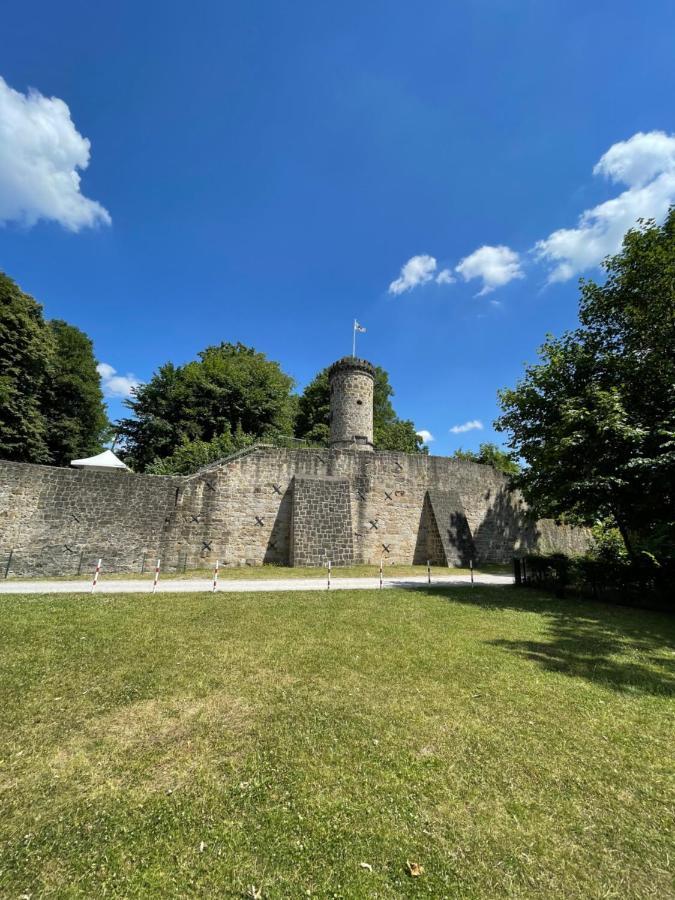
[{"x": 175, "y": 586}]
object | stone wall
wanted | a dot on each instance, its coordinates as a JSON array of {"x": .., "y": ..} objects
[
  {"x": 58, "y": 520},
  {"x": 444, "y": 537},
  {"x": 240, "y": 511},
  {"x": 321, "y": 527}
]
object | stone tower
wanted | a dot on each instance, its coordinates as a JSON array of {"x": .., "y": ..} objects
[{"x": 351, "y": 404}]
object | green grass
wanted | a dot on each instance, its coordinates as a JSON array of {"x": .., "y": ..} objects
[
  {"x": 158, "y": 746},
  {"x": 255, "y": 573}
]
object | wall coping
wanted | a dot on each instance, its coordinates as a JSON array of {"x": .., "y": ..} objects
[{"x": 421, "y": 459}]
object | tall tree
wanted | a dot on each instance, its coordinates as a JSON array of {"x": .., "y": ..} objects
[
  {"x": 25, "y": 352},
  {"x": 594, "y": 420},
  {"x": 73, "y": 406},
  {"x": 389, "y": 432},
  {"x": 490, "y": 455},
  {"x": 230, "y": 388}
]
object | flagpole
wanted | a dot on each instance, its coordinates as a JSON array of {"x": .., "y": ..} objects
[{"x": 354, "y": 338}]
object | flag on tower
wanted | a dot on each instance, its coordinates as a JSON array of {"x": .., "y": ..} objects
[{"x": 355, "y": 329}]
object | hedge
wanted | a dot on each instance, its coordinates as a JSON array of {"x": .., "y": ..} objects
[{"x": 645, "y": 581}]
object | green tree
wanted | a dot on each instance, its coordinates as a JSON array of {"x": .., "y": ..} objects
[
  {"x": 389, "y": 432},
  {"x": 25, "y": 352},
  {"x": 398, "y": 435},
  {"x": 75, "y": 415},
  {"x": 594, "y": 420},
  {"x": 193, "y": 455},
  {"x": 313, "y": 410},
  {"x": 230, "y": 387},
  {"x": 490, "y": 455}
]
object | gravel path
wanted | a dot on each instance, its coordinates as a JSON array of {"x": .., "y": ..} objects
[{"x": 176, "y": 586}]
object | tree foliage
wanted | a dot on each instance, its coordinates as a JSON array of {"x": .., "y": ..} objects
[
  {"x": 231, "y": 388},
  {"x": 193, "y": 455},
  {"x": 490, "y": 455},
  {"x": 398, "y": 435},
  {"x": 389, "y": 432},
  {"x": 51, "y": 406},
  {"x": 594, "y": 420},
  {"x": 25, "y": 349},
  {"x": 73, "y": 401}
]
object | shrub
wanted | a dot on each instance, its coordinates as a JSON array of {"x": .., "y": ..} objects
[{"x": 644, "y": 581}]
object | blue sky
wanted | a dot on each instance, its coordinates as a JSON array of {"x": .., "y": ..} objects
[{"x": 262, "y": 172}]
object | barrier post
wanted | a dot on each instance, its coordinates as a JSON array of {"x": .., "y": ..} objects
[
  {"x": 428, "y": 571},
  {"x": 215, "y": 578},
  {"x": 9, "y": 563},
  {"x": 328, "y": 587},
  {"x": 156, "y": 578},
  {"x": 380, "y": 573},
  {"x": 96, "y": 574},
  {"x": 471, "y": 569}
]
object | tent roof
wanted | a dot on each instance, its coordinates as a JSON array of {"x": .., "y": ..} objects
[{"x": 106, "y": 460}]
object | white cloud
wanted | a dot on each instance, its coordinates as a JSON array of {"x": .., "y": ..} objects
[
  {"x": 40, "y": 154},
  {"x": 496, "y": 266},
  {"x": 472, "y": 425},
  {"x": 639, "y": 159},
  {"x": 645, "y": 163},
  {"x": 115, "y": 385},
  {"x": 418, "y": 270},
  {"x": 445, "y": 276},
  {"x": 426, "y": 436}
]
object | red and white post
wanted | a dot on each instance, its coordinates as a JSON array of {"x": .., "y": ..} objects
[
  {"x": 96, "y": 574},
  {"x": 215, "y": 577},
  {"x": 156, "y": 578}
]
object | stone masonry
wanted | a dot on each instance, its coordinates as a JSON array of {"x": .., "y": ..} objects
[
  {"x": 444, "y": 535},
  {"x": 351, "y": 404},
  {"x": 271, "y": 505},
  {"x": 321, "y": 527}
]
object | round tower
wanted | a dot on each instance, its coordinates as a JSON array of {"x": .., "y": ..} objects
[{"x": 351, "y": 404}]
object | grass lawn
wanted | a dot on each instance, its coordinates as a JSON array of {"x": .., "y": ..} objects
[{"x": 306, "y": 744}]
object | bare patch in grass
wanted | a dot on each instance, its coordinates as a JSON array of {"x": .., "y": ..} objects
[{"x": 155, "y": 745}]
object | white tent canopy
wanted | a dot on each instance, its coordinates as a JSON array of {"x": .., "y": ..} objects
[{"x": 104, "y": 462}]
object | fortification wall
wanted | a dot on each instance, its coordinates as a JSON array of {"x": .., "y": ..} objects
[
  {"x": 240, "y": 511},
  {"x": 56, "y": 520},
  {"x": 321, "y": 527}
]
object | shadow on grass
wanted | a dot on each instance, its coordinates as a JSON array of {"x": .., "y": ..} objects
[{"x": 626, "y": 649}]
